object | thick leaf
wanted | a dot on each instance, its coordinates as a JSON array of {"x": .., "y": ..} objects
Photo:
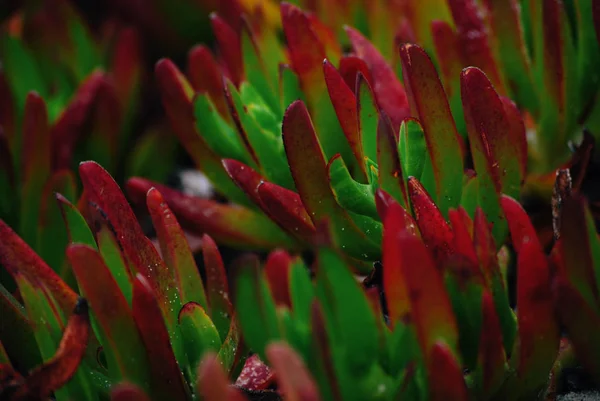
[
  {"x": 16, "y": 332},
  {"x": 344, "y": 103},
  {"x": 490, "y": 134},
  {"x": 484, "y": 134},
  {"x": 397, "y": 222},
  {"x": 352, "y": 315},
  {"x": 447, "y": 50},
  {"x": 445, "y": 374},
  {"x": 167, "y": 379},
  {"x": 20, "y": 260},
  {"x": 473, "y": 39},
  {"x": 176, "y": 252},
  {"x": 128, "y": 392},
  {"x": 198, "y": 332},
  {"x": 350, "y": 67},
  {"x": 67, "y": 129},
  {"x": 391, "y": 175},
  {"x": 280, "y": 204},
  {"x": 212, "y": 382},
  {"x": 217, "y": 287},
  {"x": 428, "y": 103},
  {"x": 229, "y": 224},
  {"x": 277, "y": 270},
  {"x": 77, "y": 228},
  {"x": 368, "y": 117},
  {"x": 412, "y": 151},
  {"x": 36, "y": 165},
  {"x": 507, "y": 39},
  {"x": 230, "y": 48},
  {"x": 123, "y": 345},
  {"x": 351, "y": 195},
  {"x": 579, "y": 249},
  {"x": 255, "y": 306},
  {"x": 517, "y": 134},
  {"x": 56, "y": 372},
  {"x": 436, "y": 232},
  {"x": 309, "y": 170},
  {"x": 492, "y": 357},
  {"x": 307, "y": 54},
  {"x": 177, "y": 96},
  {"x": 206, "y": 77},
  {"x": 388, "y": 90},
  {"x": 431, "y": 310},
  {"x": 293, "y": 377},
  {"x": 521, "y": 228},
  {"x": 539, "y": 334}
]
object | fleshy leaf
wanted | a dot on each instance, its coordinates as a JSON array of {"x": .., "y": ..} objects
[
  {"x": 388, "y": 90},
  {"x": 277, "y": 270},
  {"x": 428, "y": 103},
  {"x": 368, "y": 117},
  {"x": 128, "y": 392},
  {"x": 176, "y": 251},
  {"x": 205, "y": 76},
  {"x": 445, "y": 374},
  {"x": 391, "y": 174},
  {"x": 293, "y": 376},
  {"x": 217, "y": 286},
  {"x": 213, "y": 384},
  {"x": 77, "y": 228},
  {"x": 230, "y": 48},
  {"x": 492, "y": 357},
  {"x": 309, "y": 170},
  {"x": 167, "y": 379},
  {"x": 56, "y": 372},
  {"x": 436, "y": 232},
  {"x": 482, "y": 138},
  {"x": 228, "y": 224},
  {"x": 123, "y": 345},
  {"x": 198, "y": 332}
]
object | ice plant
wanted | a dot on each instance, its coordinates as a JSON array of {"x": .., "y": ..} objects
[
  {"x": 437, "y": 323},
  {"x": 152, "y": 317},
  {"x": 345, "y": 132}
]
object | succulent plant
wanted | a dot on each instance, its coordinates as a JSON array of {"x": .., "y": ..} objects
[
  {"x": 355, "y": 129},
  {"x": 67, "y": 96},
  {"x": 152, "y": 318}
]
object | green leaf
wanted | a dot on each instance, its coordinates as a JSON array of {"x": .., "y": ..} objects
[
  {"x": 255, "y": 307},
  {"x": 368, "y": 118},
  {"x": 350, "y": 195},
  {"x": 199, "y": 333},
  {"x": 77, "y": 227}
]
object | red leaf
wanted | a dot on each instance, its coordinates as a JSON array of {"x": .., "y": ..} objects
[
  {"x": 305, "y": 49},
  {"x": 167, "y": 379},
  {"x": 350, "y": 67},
  {"x": 206, "y": 77},
  {"x": 390, "y": 94},
  {"x": 277, "y": 270},
  {"x": 126, "y": 64},
  {"x": 286, "y": 208},
  {"x": 217, "y": 285},
  {"x": 20, "y": 260},
  {"x": 436, "y": 232},
  {"x": 463, "y": 241},
  {"x": 128, "y": 392},
  {"x": 516, "y": 133},
  {"x": 537, "y": 327},
  {"x": 492, "y": 357},
  {"x": 383, "y": 200},
  {"x": 255, "y": 375},
  {"x": 102, "y": 190},
  {"x": 397, "y": 222},
  {"x": 431, "y": 310},
  {"x": 230, "y": 49},
  {"x": 521, "y": 229},
  {"x": 56, "y": 372},
  {"x": 391, "y": 177},
  {"x": 229, "y": 224},
  {"x": 485, "y": 247},
  {"x": 293, "y": 377},
  {"x": 309, "y": 170},
  {"x": 212, "y": 382},
  {"x": 345, "y": 105},
  {"x": 445, "y": 375},
  {"x": 182, "y": 270},
  {"x": 473, "y": 39},
  {"x": 428, "y": 102},
  {"x": 68, "y": 127},
  {"x": 326, "y": 36},
  {"x": 447, "y": 52},
  {"x": 490, "y": 133}
]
